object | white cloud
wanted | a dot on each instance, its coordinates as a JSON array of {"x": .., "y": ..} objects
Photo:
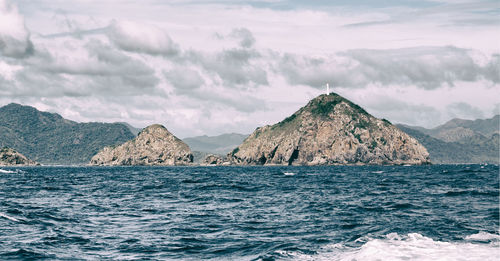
[
  {"x": 14, "y": 37},
  {"x": 184, "y": 79},
  {"x": 464, "y": 110},
  {"x": 245, "y": 37},
  {"x": 425, "y": 67},
  {"x": 134, "y": 37}
]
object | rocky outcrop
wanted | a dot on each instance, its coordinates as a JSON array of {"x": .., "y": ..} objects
[
  {"x": 10, "y": 157},
  {"x": 212, "y": 159},
  {"x": 329, "y": 130},
  {"x": 154, "y": 145}
]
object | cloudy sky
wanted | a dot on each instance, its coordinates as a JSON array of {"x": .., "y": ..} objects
[{"x": 217, "y": 66}]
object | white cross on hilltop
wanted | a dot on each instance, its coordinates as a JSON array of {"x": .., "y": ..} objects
[{"x": 327, "y": 89}]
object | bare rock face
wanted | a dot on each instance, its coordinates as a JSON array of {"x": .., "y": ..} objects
[
  {"x": 329, "y": 130},
  {"x": 10, "y": 157},
  {"x": 154, "y": 145},
  {"x": 212, "y": 159}
]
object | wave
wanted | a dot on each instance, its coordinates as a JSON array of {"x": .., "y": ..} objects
[
  {"x": 12, "y": 171},
  {"x": 9, "y": 217},
  {"x": 413, "y": 246},
  {"x": 484, "y": 237}
]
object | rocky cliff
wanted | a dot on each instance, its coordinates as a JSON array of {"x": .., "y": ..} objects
[
  {"x": 10, "y": 157},
  {"x": 329, "y": 130},
  {"x": 154, "y": 145}
]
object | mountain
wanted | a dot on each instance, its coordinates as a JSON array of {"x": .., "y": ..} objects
[
  {"x": 457, "y": 130},
  {"x": 10, "y": 157},
  {"x": 48, "y": 138},
  {"x": 329, "y": 130},
  {"x": 460, "y": 141},
  {"x": 221, "y": 144},
  {"x": 154, "y": 145}
]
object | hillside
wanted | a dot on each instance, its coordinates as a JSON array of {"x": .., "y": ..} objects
[
  {"x": 460, "y": 141},
  {"x": 329, "y": 130},
  {"x": 48, "y": 138}
]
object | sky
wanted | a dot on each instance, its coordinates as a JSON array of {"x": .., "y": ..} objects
[{"x": 207, "y": 67}]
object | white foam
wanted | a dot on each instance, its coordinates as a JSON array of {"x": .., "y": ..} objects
[
  {"x": 12, "y": 171},
  {"x": 288, "y": 173},
  {"x": 483, "y": 236},
  {"x": 9, "y": 217},
  {"x": 378, "y": 172},
  {"x": 410, "y": 247}
]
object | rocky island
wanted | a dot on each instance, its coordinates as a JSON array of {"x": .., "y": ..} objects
[
  {"x": 153, "y": 146},
  {"x": 329, "y": 130},
  {"x": 10, "y": 157}
]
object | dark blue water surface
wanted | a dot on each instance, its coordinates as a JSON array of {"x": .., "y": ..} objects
[{"x": 250, "y": 213}]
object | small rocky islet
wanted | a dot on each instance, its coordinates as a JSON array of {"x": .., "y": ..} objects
[
  {"x": 153, "y": 146},
  {"x": 10, "y": 157}
]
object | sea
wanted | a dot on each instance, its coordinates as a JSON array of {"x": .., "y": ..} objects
[{"x": 436, "y": 212}]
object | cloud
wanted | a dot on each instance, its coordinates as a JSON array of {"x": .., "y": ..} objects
[
  {"x": 464, "y": 110},
  {"x": 65, "y": 67},
  {"x": 401, "y": 111},
  {"x": 496, "y": 109},
  {"x": 247, "y": 40},
  {"x": 14, "y": 37},
  {"x": 234, "y": 67},
  {"x": 184, "y": 79},
  {"x": 134, "y": 37},
  {"x": 424, "y": 67}
]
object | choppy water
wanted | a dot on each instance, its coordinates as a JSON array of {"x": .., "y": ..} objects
[{"x": 441, "y": 212}]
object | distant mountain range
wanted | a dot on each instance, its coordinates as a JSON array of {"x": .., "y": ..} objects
[
  {"x": 48, "y": 138},
  {"x": 219, "y": 145},
  {"x": 461, "y": 141}
]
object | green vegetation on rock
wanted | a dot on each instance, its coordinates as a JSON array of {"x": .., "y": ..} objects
[
  {"x": 329, "y": 130},
  {"x": 50, "y": 139}
]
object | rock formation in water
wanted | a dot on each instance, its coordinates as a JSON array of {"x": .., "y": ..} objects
[
  {"x": 329, "y": 130},
  {"x": 154, "y": 145},
  {"x": 212, "y": 159},
  {"x": 10, "y": 157}
]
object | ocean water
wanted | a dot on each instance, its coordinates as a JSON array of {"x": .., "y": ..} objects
[{"x": 440, "y": 212}]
